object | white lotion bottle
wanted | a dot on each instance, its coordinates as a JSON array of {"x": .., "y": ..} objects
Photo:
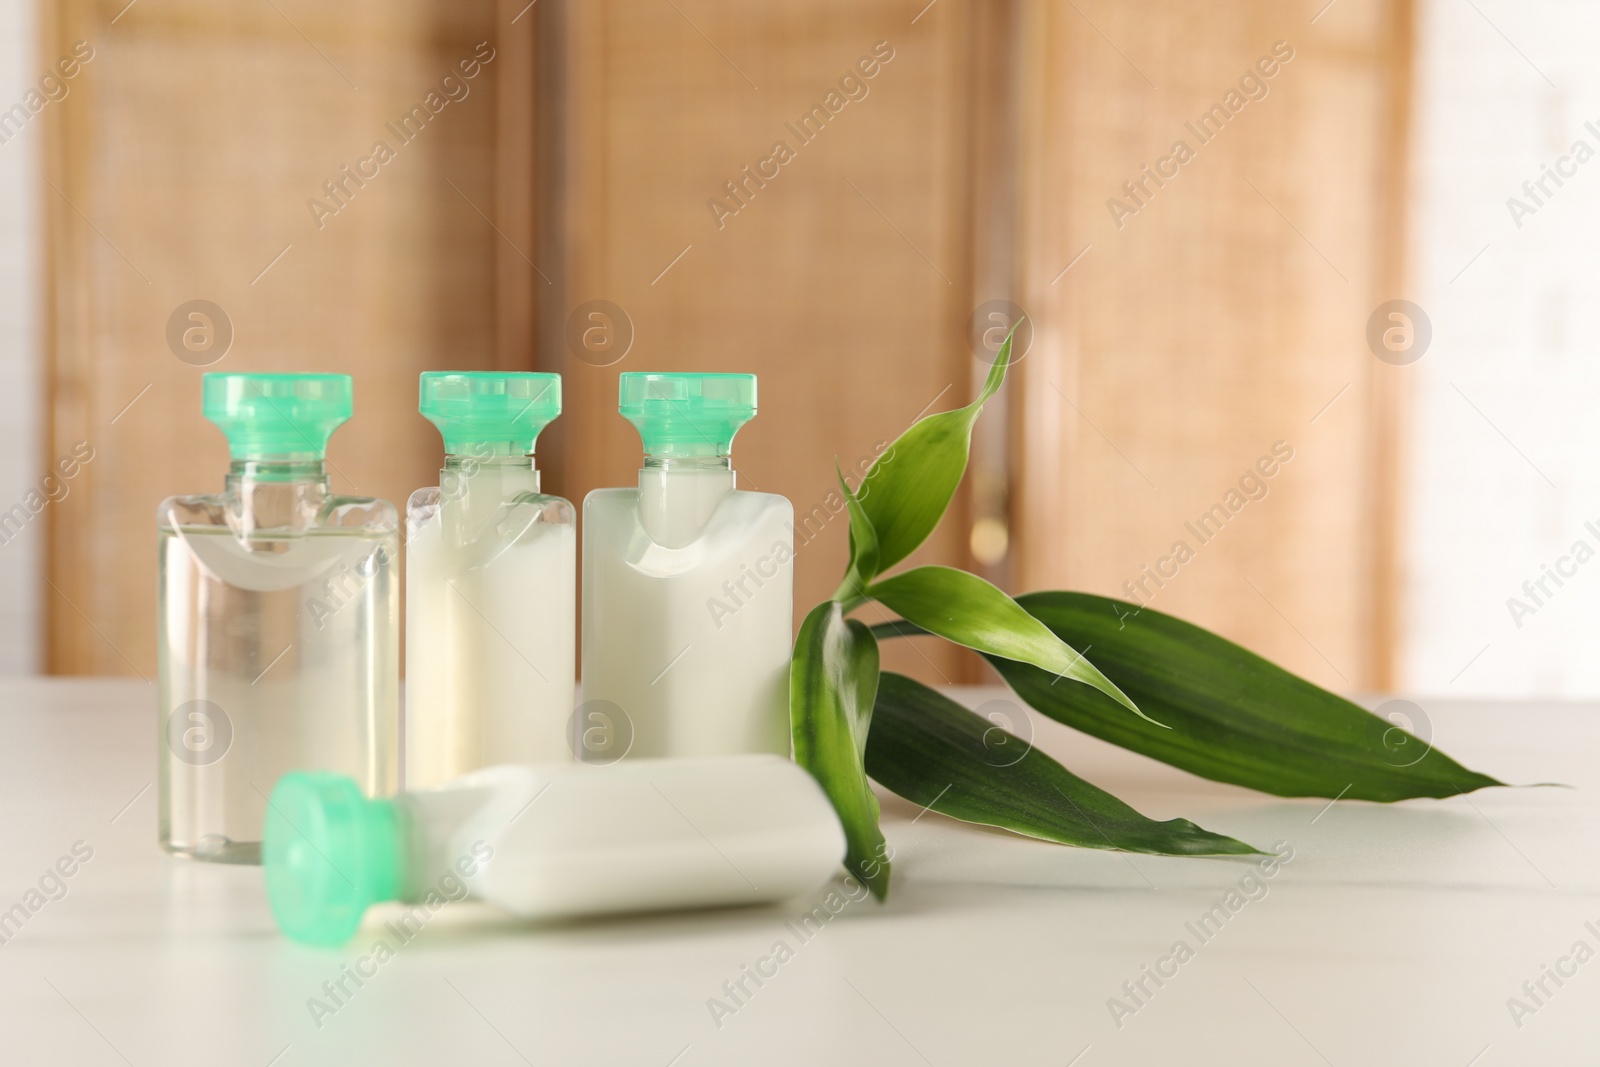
[
  {"x": 491, "y": 568},
  {"x": 550, "y": 841},
  {"x": 688, "y": 586}
]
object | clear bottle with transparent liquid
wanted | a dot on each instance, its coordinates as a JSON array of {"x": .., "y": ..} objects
[
  {"x": 278, "y": 621},
  {"x": 688, "y": 585},
  {"x": 491, "y": 585}
]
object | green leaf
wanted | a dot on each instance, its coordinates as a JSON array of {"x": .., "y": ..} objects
[
  {"x": 863, "y": 546},
  {"x": 833, "y": 682},
  {"x": 934, "y": 752},
  {"x": 964, "y": 608},
  {"x": 897, "y": 628},
  {"x": 908, "y": 488},
  {"x": 1235, "y": 717}
]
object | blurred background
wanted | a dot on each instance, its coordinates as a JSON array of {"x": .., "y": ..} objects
[{"x": 1301, "y": 280}]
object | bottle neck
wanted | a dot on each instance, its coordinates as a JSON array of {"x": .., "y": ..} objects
[
  {"x": 471, "y": 461},
  {"x": 387, "y": 856},
  {"x": 654, "y": 461},
  {"x": 281, "y": 492},
  {"x": 294, "y": 467},
  {"x": 679, "y": 494},
  {"x": 430, "y": 821},
  {"x": 476, "y": 485},
  {"x": 508, "y": 472},
  {"x": 473, "y": 454}
]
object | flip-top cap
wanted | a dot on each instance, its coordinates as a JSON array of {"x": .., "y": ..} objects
[
  {"x": 687, "y": 414},
  {"x": 489, "y": 407},
  {"x": 276, "y": 414},
  {"x": 328, "y": 853}
]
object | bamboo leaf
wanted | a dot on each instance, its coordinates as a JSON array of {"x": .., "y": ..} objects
[
  {"x": 863, "y": 565},
  {"x": 934, "y": 752},
  {"x": 833, "y": 682},
  {"x": 907, "y": 489},
  {"x": 964, "y": 608},
  {"x": 1235, "y": 716}
]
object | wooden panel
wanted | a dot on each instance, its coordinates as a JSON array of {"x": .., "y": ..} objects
[
  {"x": 1226, "y": 314},
  {"x": 518, "y": 187},
  {"x": 181, "y": 168},
  {"x": 1223, "y": 312},
  {"x": 842, "y": 281}
]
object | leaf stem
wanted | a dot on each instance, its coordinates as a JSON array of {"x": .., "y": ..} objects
[{"x": 848, "y": 599}]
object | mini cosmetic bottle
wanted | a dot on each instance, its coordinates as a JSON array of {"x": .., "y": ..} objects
[
  {"x": 278, "y": 626},
  {"x": 688, "y": 585},
  {"x": 549, "y": 842},
  {"x": 491, "y": 571}
]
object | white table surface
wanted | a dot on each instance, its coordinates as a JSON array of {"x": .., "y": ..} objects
[{"x": 1395, "y": 936}]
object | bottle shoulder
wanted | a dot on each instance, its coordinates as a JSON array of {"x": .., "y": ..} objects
[
  {"x": 622, "y": 492},
  {"x": 772, "y": 500},
  {"x": 620, "y": 523},
  {"x": 425, "y": 504},
  {"x": 426, "y": 497},
  {"x": 194, "y": 509},
  {"x": 629, "y": 494},
  {"x": 364, "y": 512},
  {"x": 354, "y": 514},
  {"x": 556, "y": 509}
]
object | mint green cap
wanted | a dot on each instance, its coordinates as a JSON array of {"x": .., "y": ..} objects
[
  {"x": 328, "y": 853},
  {"x": 276, "y": 414},
  {"x": 489, "y": 407},
  {"x": 687, "y": 414}
]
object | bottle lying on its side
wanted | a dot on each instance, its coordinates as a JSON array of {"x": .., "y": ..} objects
[{"x": 550, "y": 841}]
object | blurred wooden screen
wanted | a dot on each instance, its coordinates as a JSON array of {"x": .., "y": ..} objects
[
  {"x": 187, "y": 165},
  {"x": 1221, "y": 311},
  {"x": 610, "y": 195}
]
